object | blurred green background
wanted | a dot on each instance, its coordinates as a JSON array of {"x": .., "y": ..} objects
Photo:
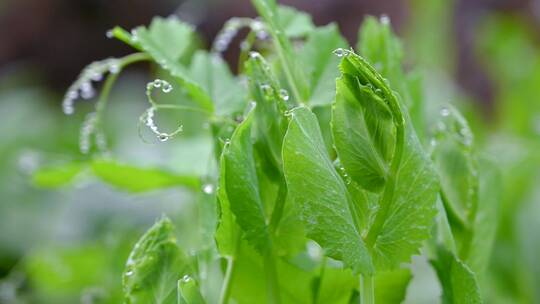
[{"x": 69, "y": 245}]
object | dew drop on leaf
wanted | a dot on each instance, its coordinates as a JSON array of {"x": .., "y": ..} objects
[
  {"x": 267, "y": 90},
  {"x": 283, "y": 94},
  {"x": 340, "y": 52},
  {"x": 208, "y": 189},
  {"x": 163, "y": 137},
  {"x": 445, "y": 112},
  {"x": 385, "y": 20}
]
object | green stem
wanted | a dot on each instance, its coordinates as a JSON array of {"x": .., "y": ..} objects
[
  {"x": 388, "y": 193},
  {"x": 317, "y": 294},
  {"x": 272, "y": 285},
  {"x": 279, "y": 205},
  {"x": 227, "y": 282},
  {"x": 111, "y": 79},
  {"x": 367, "y": 290}
]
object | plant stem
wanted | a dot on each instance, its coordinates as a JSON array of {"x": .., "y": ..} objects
[
  {"x": 279, "y": 204},
  {"x": 271, "y": 279},
  {"x": 317, "y": 294},
  {"x": 367, "y": 290},
  {"x": 226, "y": 288}
]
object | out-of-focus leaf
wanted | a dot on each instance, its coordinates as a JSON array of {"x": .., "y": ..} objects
[
  {"x": 214, "y": 76},
  {"x": 135, "y": 179},
  {"x": 287, "y": 59},
  {"x": 188, "y": 291},
  {"x": 151, "y": 41},
  {"x": 154, "y": 266},
  {"x": 295, "y": 23},
  {"x": 391, "y": 287},
  {"x": 63, "y": 275},
  {"x": 171, "y": 35},
  {"x": 57, "y": 176},
  {"x": 315, "y": 185},
  {"x": 320, "y": 64},
  {"x": 487, "y": 215},
  {"x": 336, "y": 286},
  {"x": 458, "y": 281},
  {"x": 242, "y": 186},
  {"x": 382, "y": 49}
]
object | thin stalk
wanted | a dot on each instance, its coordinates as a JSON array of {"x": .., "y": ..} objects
[
  {"x": 388, "y": 193},
  {"x": 227, "y": 282},
  {"x": 279, "y": 205},
  {"x": 317, "y": 294},
  {"x": 111, "y": 79},
  {"x": 229, "y": 273},
  {"x": 272, "y": 285},
  {"x": 367, "y": 290}
]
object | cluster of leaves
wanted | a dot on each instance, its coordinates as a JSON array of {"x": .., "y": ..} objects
[{"x": 320, "y": 195}]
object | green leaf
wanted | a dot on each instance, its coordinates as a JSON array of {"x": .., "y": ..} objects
[
  {"x": 242, "y": 185},
  {"x": 336, "y": 286},
  {"x": 410, "y": 217},
  {"x": 382, "y": 49},
  {"x": 320, "y": 63},
  {"x": 188, "y": 291},
  {"x": 214, "y": 76},
  {"x": 227, "y": 230},
  {"x": 456, "y": 166},
  {"x": 135, "y": 179},
  {"x": 271, "y": 124},
  {"x": 458, "y": 281},
  {"x": 57, "y": 176},
  {"x": 156, "y": 44},
  {"x": 485, "y": 223},
  {"x": 407, "y": 205},
  {"x": 391, "y": 287},
  {"x": 171, "y": 36},
  {"x": 315, "y": 185},
  {"x": 154, "y": 266},
  {"x": 356, "y": 132},
  {"x": 293, "y": 22},
  {"x": 287, "y": 59}
]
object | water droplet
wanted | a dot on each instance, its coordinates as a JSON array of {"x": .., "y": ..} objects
[
  {"x": 441, "y": 126},
  {"x": 96, "y": 76},
  {"x": 186, "y": 278},
  {"x": 283, "y": 94},
  {"x": 244, "y": 45},
  {"x": 163, "y": 137},
  {"x": 445, "y": 112},
  {"x": 208, "y": 189},
  {"x": 114, "y": 66},
  {"x": 109, "y": 34},
  {"x": 340, "y": 52},
  {"x": 87, "y": 91},
  {"x": 72, "y": 94},
  {"x": 261, "y": 35},
  {"x": 157, "y": 83},
  {"x": 384, "y": 19},
  {"x": 167, "y": 88},
  {"x": 129, "y": 273},
  {"x": 255, "y": 55},
  {"x": 267, "y": 90}
]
